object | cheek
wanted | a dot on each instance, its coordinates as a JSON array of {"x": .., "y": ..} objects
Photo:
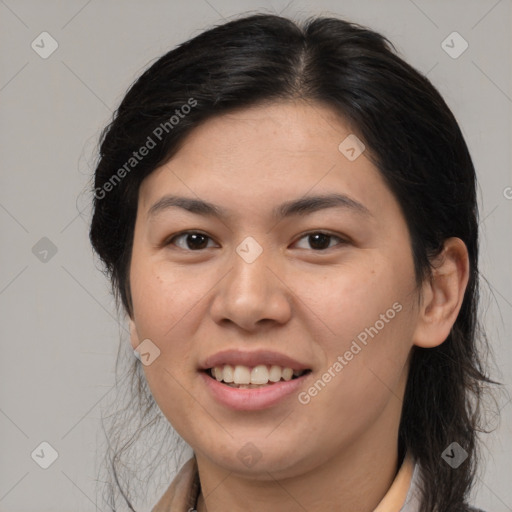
[
  {"x": 164, "y": 305},
  {"x": 162, "y": 299},
  {"x": 367, "y": 313},
  {"x": 352, "y": 297}
]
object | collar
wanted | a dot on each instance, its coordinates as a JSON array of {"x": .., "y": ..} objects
[{"x": 402, "y": 496}]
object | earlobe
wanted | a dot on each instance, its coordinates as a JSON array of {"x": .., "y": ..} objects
[
  {"x": 442, "y": 295},
  {"x": 134, "y": 337}
]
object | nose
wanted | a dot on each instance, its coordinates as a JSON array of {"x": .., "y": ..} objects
[{"x": 252, "y": 294}]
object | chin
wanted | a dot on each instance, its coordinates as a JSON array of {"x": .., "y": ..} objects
[{"x": 259, "y": 457}]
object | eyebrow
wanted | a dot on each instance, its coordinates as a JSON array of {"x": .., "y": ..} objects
[{"x": 302, "y": 206}]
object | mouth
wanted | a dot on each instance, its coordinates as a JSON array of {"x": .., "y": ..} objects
[
  {"x": 253, "y": 388},
  {"x": 260, "y": 376}
]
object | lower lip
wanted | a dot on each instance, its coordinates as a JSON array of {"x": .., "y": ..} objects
[{"x": 252, "y": 399}]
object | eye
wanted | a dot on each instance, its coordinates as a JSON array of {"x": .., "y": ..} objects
[
  {"x": 320, "y": 240},
  {"x": 193, "y": 240}
]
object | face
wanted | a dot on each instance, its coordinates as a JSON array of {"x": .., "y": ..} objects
[{"x": 325, "y": 288}]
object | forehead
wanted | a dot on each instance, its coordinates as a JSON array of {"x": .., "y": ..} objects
[
  {"x": 288, "y": 129},
  {"x": 266, "y": 154}
]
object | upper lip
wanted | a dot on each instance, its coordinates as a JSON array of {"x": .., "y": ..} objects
[{"x": 254, "y": 358}]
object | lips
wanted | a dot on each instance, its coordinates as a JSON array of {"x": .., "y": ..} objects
[
  {"x": 251, "y": 398},
  {"x": 254, "y": 380}
]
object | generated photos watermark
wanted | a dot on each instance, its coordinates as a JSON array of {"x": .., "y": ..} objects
[
  {"x": 305, "y": 397},
  {"x": 151, "y": 141}
]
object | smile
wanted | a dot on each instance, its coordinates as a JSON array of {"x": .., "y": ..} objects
[
  {"x": 245, "y": 377},
  {"x": 253, "y": 397}
]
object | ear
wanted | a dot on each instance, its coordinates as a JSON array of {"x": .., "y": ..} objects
[
  {"x": 134, "y": 336},
  {"x": 442, "y": 295}
]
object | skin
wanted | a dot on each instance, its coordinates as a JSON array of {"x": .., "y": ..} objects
[{"x": 340, "y": 450}]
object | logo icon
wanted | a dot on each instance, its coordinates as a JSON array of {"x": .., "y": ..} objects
[
  {"x": 454, "y": 455},
  {"x": 44, "y": 250},
  {"x": 44, "y": 45},
  {"x": 249, "y": 249},
  {"x": 147, "y": 352},
  {"x": 351, "y": 147},
  {"x": 249, "y": 455},
  {"x": 45, "y": 455},
  {"x": 454, "y": 45}
]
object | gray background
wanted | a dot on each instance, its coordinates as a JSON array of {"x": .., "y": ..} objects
[{"x": 59, "y": 329}]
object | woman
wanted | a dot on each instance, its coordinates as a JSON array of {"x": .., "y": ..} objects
[{"x": 288, "y": 217}]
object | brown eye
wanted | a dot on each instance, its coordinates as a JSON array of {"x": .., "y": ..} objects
[
  {"x": 193, "y": 241},
  {"x": 319, "y": 241}
]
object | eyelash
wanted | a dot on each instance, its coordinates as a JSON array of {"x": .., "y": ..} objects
[{"x": 304, "y": 235}]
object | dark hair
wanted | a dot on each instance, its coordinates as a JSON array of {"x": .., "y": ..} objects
[{"x": 411, "y": 136}]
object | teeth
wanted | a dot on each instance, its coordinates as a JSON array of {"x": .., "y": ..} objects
[
  {"x": 227, "y": 373},
  {"x": 242, "y": 375},
  {"x": 287, "y": 373},
  {"x": 217, "y": 373},
  {"x": 245, "y": 377},
  {"x": 259, "y": 374},
  {"x": 275, "y": 373}
]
